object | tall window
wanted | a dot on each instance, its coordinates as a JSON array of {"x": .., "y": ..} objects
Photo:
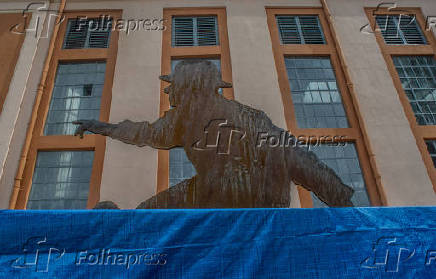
[
  {"x": 195, "y": 33},
  {"x": 317, "y": 102},
  {"x": 418, "y": 79},
  {"x": 409, "y": 51},
  {"x": 63, "y": 171}
]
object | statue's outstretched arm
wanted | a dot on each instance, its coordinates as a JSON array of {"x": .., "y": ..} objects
[
  {"x": 159, "y": 134},
  {"x": 309, "y": 172}
]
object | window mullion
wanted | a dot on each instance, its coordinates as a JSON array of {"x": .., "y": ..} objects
[
  {"x": 195, "y": 31},
  {"x": 300, "y": 31},
  {"x": 88, "y": 34}
]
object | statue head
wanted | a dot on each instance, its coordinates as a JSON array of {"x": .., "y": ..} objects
[{"x": 193, "y": 78}]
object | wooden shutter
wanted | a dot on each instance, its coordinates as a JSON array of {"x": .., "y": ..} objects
[
  {"x": 400, "y": 30},
  {"x": 89, "y": 33},
  {"x": 300, "y": 29},
  {"x": 195, "y": 31}
]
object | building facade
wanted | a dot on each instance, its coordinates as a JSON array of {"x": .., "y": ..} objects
[{"x": 360, "y": 74}]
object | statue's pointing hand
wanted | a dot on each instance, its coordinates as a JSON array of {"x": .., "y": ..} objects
[{"x": 84, "y": 125}]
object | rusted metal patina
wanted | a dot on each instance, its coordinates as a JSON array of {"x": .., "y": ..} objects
[{"x": 221, "y": 139}]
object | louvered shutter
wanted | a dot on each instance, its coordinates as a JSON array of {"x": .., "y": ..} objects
[
  {"x": 89, "y": 33},
  {"x": 300, "y": 29},
  {"x": 99, "y": 33},
  {"x": 195, "y": 31},
  {"x": 183, "y": 31},
  {"x": 76, "y": 34},
  {"x": 288, "y": 30},
  {"x": 411, "y": 31},
  {"x": 311, "y": 30},
  {"x": 400, "y": 30},
  {"x": 207, "y": 31}
]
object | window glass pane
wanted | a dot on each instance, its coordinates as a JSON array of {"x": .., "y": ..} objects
[
  {"x": 195, "y": 31},
  {"x": 61, "y": 180},
  {"x": 315, "y": 94},
  {"x": 300, "y": 29},
  {"x": 76, "y": 95},
  {"x": 418, "y": 78},
  {"x": 180, "y": 166},
  {"x": 431, "y": 147},
  {"x": 343, "y": 159},
  {"x": 400, "y": 29}
]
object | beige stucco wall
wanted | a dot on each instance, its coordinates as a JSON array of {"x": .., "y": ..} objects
[
  {"x": 129, "y": 174},
  {"x": 403, "y": 174}
]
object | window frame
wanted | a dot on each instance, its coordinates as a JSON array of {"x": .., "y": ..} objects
[
  {"x": 421, "y": 132},
  {"x": 90, "y": 142},
  {"x": 354, "y": 133},
  {"x": 169, "y": 52}
]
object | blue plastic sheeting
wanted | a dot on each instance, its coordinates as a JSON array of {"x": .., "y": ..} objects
[{"x": 253, "y": 243}]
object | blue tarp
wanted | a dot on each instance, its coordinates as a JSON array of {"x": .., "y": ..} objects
[{"x": 223, "y": 243}]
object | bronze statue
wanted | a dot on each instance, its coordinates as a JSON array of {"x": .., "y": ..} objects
[{"x": 221, "y": 138}]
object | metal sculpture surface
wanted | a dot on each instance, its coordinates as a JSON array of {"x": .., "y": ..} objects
[{"x": 221, "y": 139}]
